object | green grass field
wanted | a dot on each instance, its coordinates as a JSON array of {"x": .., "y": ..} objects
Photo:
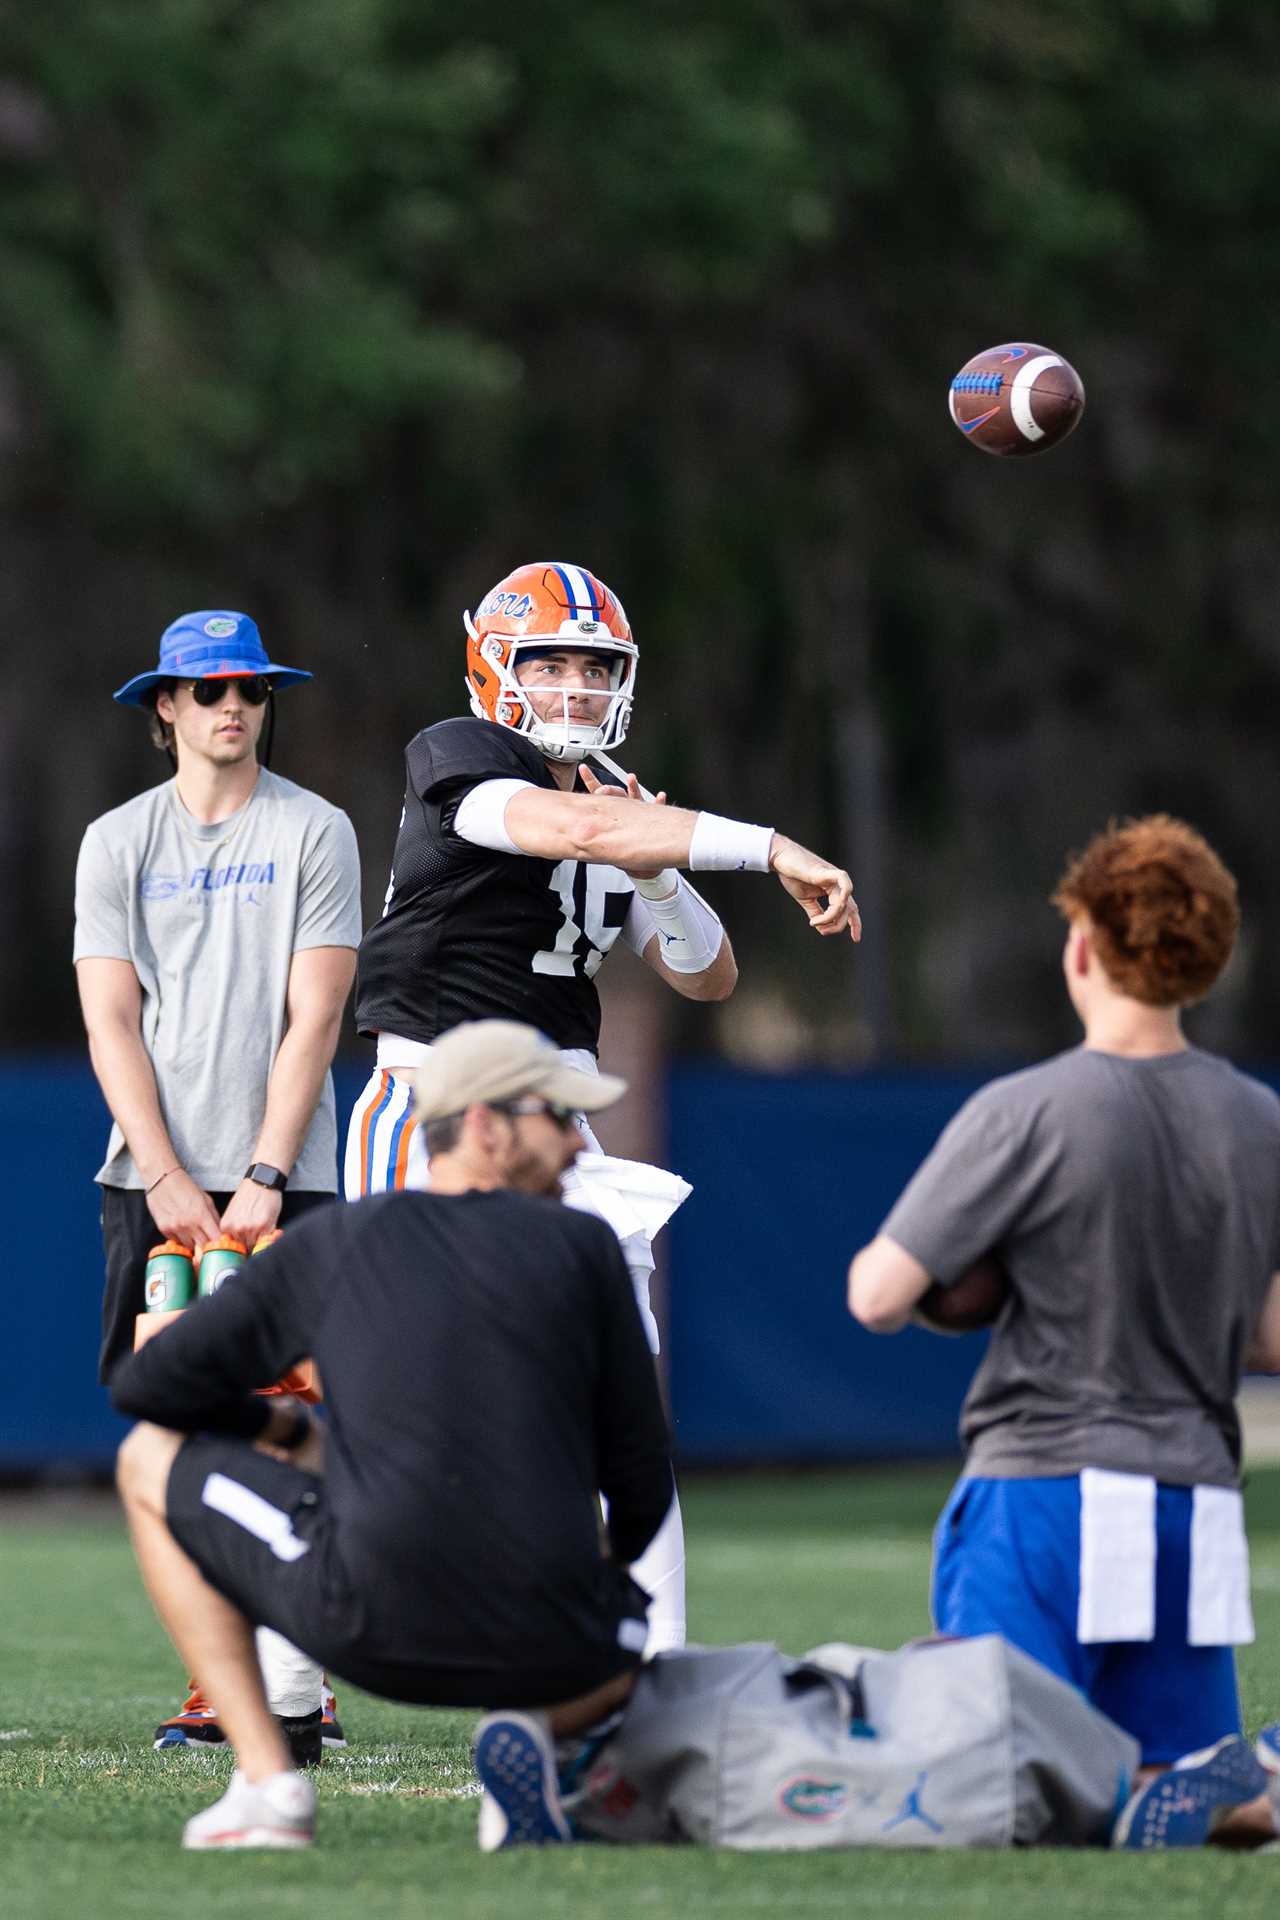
[{"x": 90, "y": 1816}]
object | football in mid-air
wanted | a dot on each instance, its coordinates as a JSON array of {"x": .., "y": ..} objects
[
  {"x": 971, "y": 1302},
  {"x": 1016, "y": 399}
]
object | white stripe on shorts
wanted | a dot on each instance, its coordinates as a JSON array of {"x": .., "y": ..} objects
[
  {"x": 1219, "y": 1612},
  {"x": 1117, "y": 1557},
  {"x": 256, "y": 1515}
]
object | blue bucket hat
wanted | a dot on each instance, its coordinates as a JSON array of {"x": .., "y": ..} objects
[{"x": 212, "y": 645}]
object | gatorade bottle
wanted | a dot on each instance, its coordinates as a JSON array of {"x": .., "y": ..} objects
[
  {"x": 221, "y": 1259},
  {"x": 302, "y": 1381},
  {"x": 171, "y": 1280}
]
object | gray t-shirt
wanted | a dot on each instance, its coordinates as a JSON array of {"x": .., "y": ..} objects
[
  {"x": 1135, "y": 1205},
  {"x": 210, "y": 917}
]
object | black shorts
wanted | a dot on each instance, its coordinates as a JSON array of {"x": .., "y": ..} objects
[
  {"x": 260, "y": 1532},
  {"x": 128, "y": 1235}
]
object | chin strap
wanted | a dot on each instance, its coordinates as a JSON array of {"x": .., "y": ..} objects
[{"x": 598, "y": 753}]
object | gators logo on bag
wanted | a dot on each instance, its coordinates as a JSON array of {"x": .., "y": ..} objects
[{"x": 808, "y": 1799}]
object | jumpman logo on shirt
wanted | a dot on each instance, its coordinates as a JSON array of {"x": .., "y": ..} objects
[{"x": 912, "y": 1810}]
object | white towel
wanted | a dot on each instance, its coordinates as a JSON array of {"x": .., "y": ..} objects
[
  {"x": 1218, "y": 1610},
  {"x": 631, "y": 1195},
  {"x": 1117, "y": 1557}
]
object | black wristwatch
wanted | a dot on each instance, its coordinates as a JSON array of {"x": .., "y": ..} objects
[{"x": 265, "y": 1176}]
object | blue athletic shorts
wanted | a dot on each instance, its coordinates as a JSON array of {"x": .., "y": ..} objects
[{"x": 1007, "y": 1560}]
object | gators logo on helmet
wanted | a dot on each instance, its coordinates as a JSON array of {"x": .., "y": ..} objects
[{"x": 545, "y": 606}]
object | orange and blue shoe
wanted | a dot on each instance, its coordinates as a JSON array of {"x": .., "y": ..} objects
[
  {"x": 330, "y": 1726},
  {"x": 197, "y": 1725},
  {"x": 194, "y": 1724}
]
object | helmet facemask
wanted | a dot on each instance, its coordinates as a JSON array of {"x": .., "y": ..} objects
[{"x": 561, "y": 738}]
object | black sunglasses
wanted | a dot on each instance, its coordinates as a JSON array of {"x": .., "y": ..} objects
[
  {"x": 253, "y": 689},
  {"x": 564, "y": 1117}
]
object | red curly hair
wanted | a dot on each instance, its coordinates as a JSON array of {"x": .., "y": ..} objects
[{"x": 1162, "y": 906}]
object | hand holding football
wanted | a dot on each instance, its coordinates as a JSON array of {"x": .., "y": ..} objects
[
  {"x": 1016, "y": 399},
  {"x": 973, "y": 1301}
]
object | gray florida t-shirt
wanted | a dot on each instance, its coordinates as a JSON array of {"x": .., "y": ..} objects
[
  {"x": 1135, "y": 1204},
  {"x": 211, "y": 917}
]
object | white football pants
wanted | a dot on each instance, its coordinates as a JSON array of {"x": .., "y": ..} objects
[
  {"x": 660, "y": 1571},
  {"x": 292, "y": 1679}
]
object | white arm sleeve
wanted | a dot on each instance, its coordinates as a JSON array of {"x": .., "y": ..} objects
[
  {"x": 481, "y": 815},
  {"x": 689, "y": 931},
  {"x": 639, "y": 927}
]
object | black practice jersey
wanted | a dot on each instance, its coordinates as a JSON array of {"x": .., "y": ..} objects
[
  {"x": 485, "y": 1371},
  {"x": 468, "y": 934}
]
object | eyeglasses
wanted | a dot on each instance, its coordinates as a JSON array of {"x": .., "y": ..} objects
[
  {"x": 564, "y": 1117},
  {"x": 253, "y": 689}
]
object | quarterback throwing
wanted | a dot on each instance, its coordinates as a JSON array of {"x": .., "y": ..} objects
[{"x": 518, "y": 865}]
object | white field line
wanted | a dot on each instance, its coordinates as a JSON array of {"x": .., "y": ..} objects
[{"x": 469, "y": 1792}]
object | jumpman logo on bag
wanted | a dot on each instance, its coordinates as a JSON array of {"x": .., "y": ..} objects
[{"x": 912, "y": 1810}]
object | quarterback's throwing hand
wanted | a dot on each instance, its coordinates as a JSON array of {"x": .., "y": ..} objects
[
  {"x": 825, "y": 892},
  {"x": 633, "y": 791}
]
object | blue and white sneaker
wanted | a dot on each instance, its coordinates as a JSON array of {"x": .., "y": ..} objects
[
  {"x": 1267, "y": 1749},
  {"x": 1182, "y": 1806},
  {"x": 516, "y": 1763}
]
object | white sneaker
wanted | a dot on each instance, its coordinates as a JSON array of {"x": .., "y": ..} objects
[{"x": 278, "y": 1812}]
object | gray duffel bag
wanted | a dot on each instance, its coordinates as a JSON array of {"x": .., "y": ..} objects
[{"x": 951, "y": 1743}]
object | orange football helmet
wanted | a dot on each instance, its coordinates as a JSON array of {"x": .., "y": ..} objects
[{"x": 540, "y": 606}]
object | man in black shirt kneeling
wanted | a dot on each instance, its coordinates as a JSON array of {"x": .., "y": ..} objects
[{"x": 437, "y": 1540}]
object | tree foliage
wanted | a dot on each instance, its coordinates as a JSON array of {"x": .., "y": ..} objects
[{"x": 338, "y": 308}]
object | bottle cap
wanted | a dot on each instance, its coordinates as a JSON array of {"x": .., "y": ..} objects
[
  {"x": 225, "y": 1243},
  {"x": 170, "y": 1246}
]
